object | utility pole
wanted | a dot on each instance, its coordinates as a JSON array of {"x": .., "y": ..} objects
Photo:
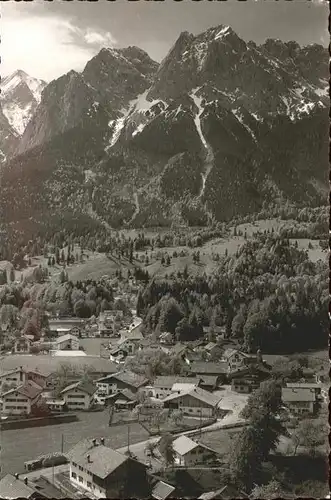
[
  {"x": 129, "y": 438},
  {"x": 62, "y": 443}
]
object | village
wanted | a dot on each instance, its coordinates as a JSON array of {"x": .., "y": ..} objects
[{"x": 183, "y": 413}]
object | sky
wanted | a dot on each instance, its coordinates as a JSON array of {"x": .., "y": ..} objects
[{"x": 49, "y": 38}]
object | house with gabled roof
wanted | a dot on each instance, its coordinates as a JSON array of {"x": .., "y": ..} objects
[
  {"x": 162, "y": 490},
  {"x": 20, "y": 375},
  {"x": 248, "y": 378},
  {"x": 196, "y": 402},
  {"x": 122, "y": 400},
  {"x": 22, "y": 399},
  {"x": 218, "y": 369},
  {"x": 15, "y": 486},
  {"x": 104, "y": 472},
  {"x": 118, "y": 354},
  {"x": 163, "y": 385},
  {"x": 189, "y": 452},
  {"x": 79, "y": 395},
  {"x": 67, "y": 342},
  {"x": 300, "y": 400},
  {"x": 23, "y": 344},
  {"x": 115, "y": 382}
]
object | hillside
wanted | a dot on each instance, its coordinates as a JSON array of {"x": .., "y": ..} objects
[{"x": 221, "y": 128}]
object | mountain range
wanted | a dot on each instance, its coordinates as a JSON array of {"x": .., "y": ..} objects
[{"x": 220, "y": 128}]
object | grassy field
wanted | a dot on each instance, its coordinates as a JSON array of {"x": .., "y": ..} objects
[
  {"x": 41, "y": 440},
  {"x": 97, "y": 265},
  {"x": 52, "y": 363}
]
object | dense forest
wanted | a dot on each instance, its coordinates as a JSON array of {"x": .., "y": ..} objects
[{"x": 268, "y": 296}]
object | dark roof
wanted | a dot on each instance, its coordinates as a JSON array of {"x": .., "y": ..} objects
[
  {"x": 162, "y": 490},
  {"x": 127, "y": 377},
  {"x": 125, "y": 392},
  {"x": 118, "y": 349},
  {"x": 179, "y": 348},
  {"x": 222, "y": 493},
  {"x": 29, "y": 390},
  {"x": 88, "y": 388},
  {"x": 204, "y": 367},
  {"x": 298, "y": 395},
  {"x": 46, "y": 488},
  {"x": 169, "y": 380},
  {"x": 210, "y": 380},
  {"x": 10, "y": 487},
  {"x": 200, "y": 394},
  {"x": 250, "y": 370},
  {"x": 103, "y": 460}
]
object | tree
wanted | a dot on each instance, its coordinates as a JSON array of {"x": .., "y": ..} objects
[
  {"x": 63, "y": 276},
  {"x": 57, "y": 255},
  {"x": 3, "y": 277},
  {"x": 266, "y": 398},
  {"x": 170, "y": 315},
  {"x": 11, "y": 275},
  {"x": 81, "y": 309},
  {"x": 274, "y": 489},
  {"x": 310, "y": 435},
  {"x": 166, "y": 449},
  {"x": 140, "y": 304},
  {"x": 150, "y": 448},
  {"x": 246, "y": 458}
]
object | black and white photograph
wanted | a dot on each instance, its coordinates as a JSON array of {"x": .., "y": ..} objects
[{"x": 164, "y": 239}]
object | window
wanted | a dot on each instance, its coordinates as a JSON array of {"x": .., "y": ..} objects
[
  {"x": 89, "y": 484},
  {"x": 80, "y": 467},
  {"x": 74, "y": 475},
  {"x": 80, "y": 479}
]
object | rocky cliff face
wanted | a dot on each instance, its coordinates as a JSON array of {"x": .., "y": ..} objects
[
  {"x": 220, "y": 128},
  {"x": 19, "y": 99}
]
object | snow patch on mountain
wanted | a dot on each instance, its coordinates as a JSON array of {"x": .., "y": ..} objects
[
  {"x": 17, "y": 116},
  {"x": 20, "y": 95},
  {"x": 197, "y": 101},
  {"x": 210, "y": 154},
  {"x": 240, "y": 119},
  {"x": 138, "y": 130},
  {"x": 118, "y": 127},
  {"x": 224, "y": 31}
]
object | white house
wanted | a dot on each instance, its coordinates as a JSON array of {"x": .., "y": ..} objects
[
  {"x": 56, "y": 405},
  {"x": 61, "y": 326},
  {"x": 104, "y": 472},
  {"x": 20, "y": 401},
  {"x": 196, "y": 402},
  {"x": 67, "y": 342},
  {"x": 165, "y": 385},
  {"x": 18, "y": 376},
  {"x": 78, "y": 396},
  {"x": 189, "y": 452},
  {"x": 13, "y": 377},
  {"x": 119, "y": 381},
  {"x": 300, "y": 400}
]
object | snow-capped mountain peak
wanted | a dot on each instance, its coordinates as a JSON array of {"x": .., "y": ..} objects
[{"x": 20, "y": 96}]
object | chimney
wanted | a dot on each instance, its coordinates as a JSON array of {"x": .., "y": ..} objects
[
  {"x": 89, "y": 458},
  {"x": 16, "y": 475},
  {"x": 25, "y": 480},
  {"x": 102, "y": 441}
]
